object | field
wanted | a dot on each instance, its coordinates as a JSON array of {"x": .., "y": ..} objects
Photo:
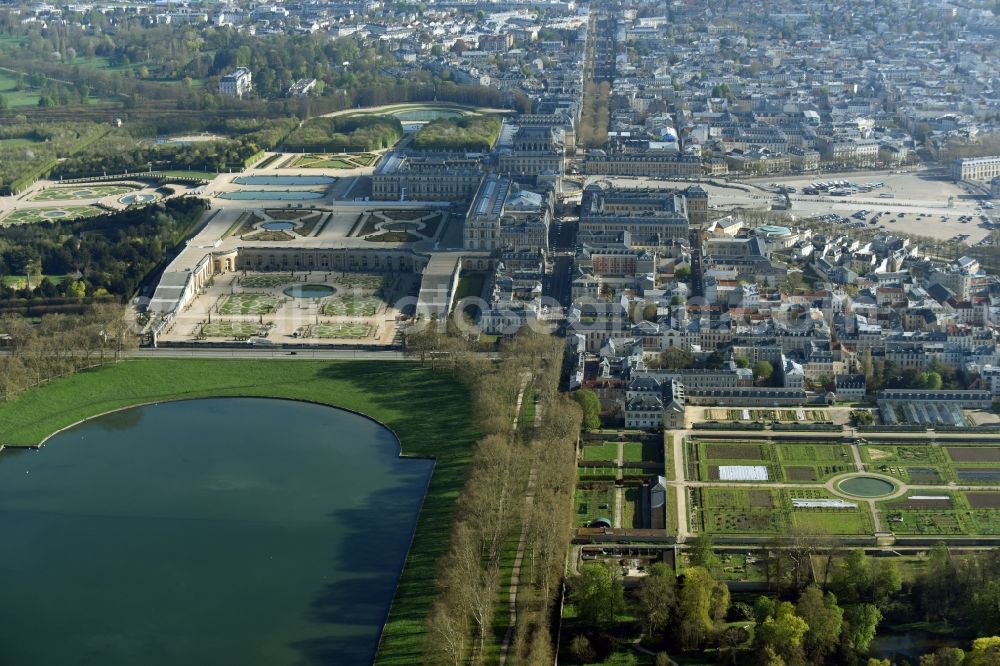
[
  {"x": 82, "y": 192},
  {"x": 16, "y": 143},
  {"x": 341, "y": 330},
  {"x": 594, "y": 503},
  {"x": 424, "y": 407},
  {"x": 936, "y": 465},
  {"x": 605, "y": 451},
  {"x": 974, "y": 454},
  {"x": 788, "y": 462},
  {"x": 249, "y": 304},
  {"x": 769, "y": 511},
  {"x": 351, "y": 306},
  {"x": 33, "y": 215},
  {"x": 647, "y": 451},
  {"x": 13, "y": 96},
  {"x": 945, "y": 517}
]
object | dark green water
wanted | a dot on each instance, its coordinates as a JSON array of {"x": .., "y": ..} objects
[
  {"x": 866, "y": 486},
  {"x": 230, "y": 531}
]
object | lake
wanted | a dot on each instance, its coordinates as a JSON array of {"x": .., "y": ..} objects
[{"x": 224, "y": 531}]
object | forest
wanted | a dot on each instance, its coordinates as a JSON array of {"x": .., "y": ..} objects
[
  {"x": 29, "y": 151},
  {"x": 469, "y": 133},
  {"x": 830, "y": 617},
  {"x": 183, "y": 65},
  {"x": 128, "y": 151},
  {"x": 107, "y": 255},
  {"x": 357, "y": 133}
]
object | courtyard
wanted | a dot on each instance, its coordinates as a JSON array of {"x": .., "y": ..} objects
[{"x": 295, "y": 307}]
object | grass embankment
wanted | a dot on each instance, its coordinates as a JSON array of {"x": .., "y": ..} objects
[{"x": 426, "y": 409}]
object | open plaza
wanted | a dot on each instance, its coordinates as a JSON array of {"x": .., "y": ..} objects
[
  {"x": 921, "y": 203},
  {"x": 310, "y": 306}
]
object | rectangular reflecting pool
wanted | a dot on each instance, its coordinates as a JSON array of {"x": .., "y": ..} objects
[{"x": 271, "y": 195}]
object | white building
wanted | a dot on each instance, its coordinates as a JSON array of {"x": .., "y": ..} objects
[{"x": 237, "y": 83}]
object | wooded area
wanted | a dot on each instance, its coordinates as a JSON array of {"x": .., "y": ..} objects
[
  {"x": 492, "y": 508},
  {"x": 469, "y": 133},
  {"x": 348, "y": 133},
  {"x": 830, "y": 619},
  {"x": 60, "y": 345},
  {"x": 108, "y": 254}
]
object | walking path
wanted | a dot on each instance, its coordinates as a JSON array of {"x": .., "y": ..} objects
[
  {"x": 618, "y": 489},
  {"x": 515, "y": 575},
  {"x": 856, "y": 454},
  {"x": 680, "y": 489}
]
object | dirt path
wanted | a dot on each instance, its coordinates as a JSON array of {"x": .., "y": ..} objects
[
  {"x": 529, "y": 500},
  {"x": 618, "y": 489}
]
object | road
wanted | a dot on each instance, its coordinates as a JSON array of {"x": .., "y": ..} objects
[
  {"x": 697, "y": 277},
  {"x": 311, "y": 354},
  {"x": 558, "y": 284},
  {"x": 562, "y": 236}
]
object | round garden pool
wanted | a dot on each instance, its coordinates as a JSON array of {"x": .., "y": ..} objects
[
  {"x": 278, "y": 226},
  {"x": 866, "y": 486},
  {"x": 130, "y": 199},
  {"x": 310, "y": 291}
]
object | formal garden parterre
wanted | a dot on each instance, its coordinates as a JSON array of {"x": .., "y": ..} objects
[{"x": 34, "y": 215}]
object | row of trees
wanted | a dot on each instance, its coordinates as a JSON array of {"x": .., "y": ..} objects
[
  {"x": 60, "y": 345},
  {"x": 595, "y": 115},
  {"x": 881, "y": 373},
  {"x": 491, "y": 510}
]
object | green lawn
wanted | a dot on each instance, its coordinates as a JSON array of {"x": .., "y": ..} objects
[
  {"x": 16, "y": 143},
  {"x": 649, "y": 451},
  {"x": 16, "y": 97},
  {"x": 18, "y": 281},
  {"x": 425, "y": 408},
  {"x": 605, "y": 451}
]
